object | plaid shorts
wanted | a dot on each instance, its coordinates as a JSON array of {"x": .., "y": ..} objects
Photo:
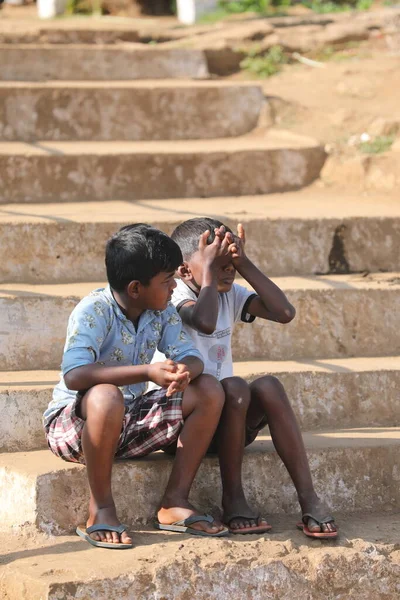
[{"x": 152, "y": 422}]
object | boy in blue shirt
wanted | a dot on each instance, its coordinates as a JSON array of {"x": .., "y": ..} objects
[
  {"x": 100, "y": 409},
  {"x": 210, "y": 303}
]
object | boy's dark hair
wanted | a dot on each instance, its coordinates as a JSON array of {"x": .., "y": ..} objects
[
  {"x": 188, "y": 233},
  {"x": 139, "y": 252}
]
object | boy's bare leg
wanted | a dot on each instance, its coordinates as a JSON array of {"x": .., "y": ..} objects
[
  {"x": 231, "y": 441},
  {"x": 203, "y": 401},
  {"x": 269, "y": 399},
  {"x": 102, "y": 408}
]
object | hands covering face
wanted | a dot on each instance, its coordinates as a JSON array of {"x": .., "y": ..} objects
[{"x": 224, "y": 245}]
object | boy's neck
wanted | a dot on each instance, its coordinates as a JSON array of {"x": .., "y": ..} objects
[
  {"x": 193, "y": 285},
  {"x": 127, "y": 307}
]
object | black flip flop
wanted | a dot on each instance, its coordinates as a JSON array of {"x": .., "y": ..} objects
[
  {"x": 257, "y": 529},
  {"x": 321, "y": 535},
  {"x": 184, "y": 526},
  {"x": 84, "y": 533}
]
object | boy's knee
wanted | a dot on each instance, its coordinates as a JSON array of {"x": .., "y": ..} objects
[
  {"x": 104, "y": 399},
  {"x": 210, "y": 390},
  {"x": 237, "y": 393},
  {"x": 269, "y": 386}
]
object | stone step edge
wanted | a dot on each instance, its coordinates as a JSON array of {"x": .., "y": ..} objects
[
  {"x": 345, "y": 393},
  {"x": 136, "y": 84},
  {"x": 273, "y": 140},
  {"x": 353, "y": 282},
  {"x": 353, "y": 470},
  {"x": 363, "y": 562},
  {"x": 36, "y": 380}
]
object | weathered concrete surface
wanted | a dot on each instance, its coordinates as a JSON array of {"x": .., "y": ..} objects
[
  {"x": 323, "y": 232},
  {"x": 79, "y": 171},
  {"x": 364, "y": 564},
  {"x": 68, "y": 33},
  {"x": 354, "y": 470},
  {"x": 31, "y": 62},
  {"x": 368, "y": 173},
  {"x": 322, "y": 327},
  {"x": 127, "y": 110},
  {"x": 324, "y": 394}
]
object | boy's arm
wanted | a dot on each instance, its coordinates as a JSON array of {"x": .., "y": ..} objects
[
  {"x": 86, "y": 376},
  {"x": 178, "y": 348},
  {"x": 87, "y": 329},
  {"x": 270, "y": 303},
  {"x": 202, "y": 315}
]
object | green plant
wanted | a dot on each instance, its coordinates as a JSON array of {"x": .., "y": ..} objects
[
  {"x": 264, "y": 65},
  {"x": 239, "y": 6},
  {"x": 332, "y": 6},
  {"x": 83, "y": 7},
  {"x": 380, "y": 144}
]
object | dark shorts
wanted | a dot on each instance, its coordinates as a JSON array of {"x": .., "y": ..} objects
[
  {"x": 152, "y": 422},
  {"x": 250, "y": 436}
]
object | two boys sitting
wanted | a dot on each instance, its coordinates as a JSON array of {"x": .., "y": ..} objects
[{"x": 101, "y": 411}]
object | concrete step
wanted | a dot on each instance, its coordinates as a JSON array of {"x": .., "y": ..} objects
[
  {"x": 337, "y": 316},
  {"x": 354, "y": 470},
  {"x": 140, "y": 110},
  {"x": 363, "y": 564},
  {"x": 33, "y": 62},
  {"x": 69, "y": 31},
  {"x": 75, "y": 171},
  {"x": 326, "y": 393},
  {"x": 323, "y": 232}
]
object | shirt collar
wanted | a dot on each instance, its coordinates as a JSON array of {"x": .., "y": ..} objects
[{"x": 144, "y": 320}]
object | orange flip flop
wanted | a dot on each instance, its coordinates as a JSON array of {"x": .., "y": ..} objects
[
  {"x": 322, "y": 535},
  {"x": 257, "y": 529}
]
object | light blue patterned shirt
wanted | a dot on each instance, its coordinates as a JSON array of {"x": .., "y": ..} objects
[{"x": 99, "y": 332}]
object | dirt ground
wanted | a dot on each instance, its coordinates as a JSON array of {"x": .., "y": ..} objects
[{"x": 343, "y": 98}]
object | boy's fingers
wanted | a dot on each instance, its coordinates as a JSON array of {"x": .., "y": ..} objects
[
  {"x": 225, "y": 244},
  {"x": 203, "y": 239},
  {"x": 217, "y": 240},
  {"x": 241, "y": 233}
]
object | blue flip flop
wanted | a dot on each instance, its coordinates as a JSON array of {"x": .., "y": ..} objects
[
  {"x": 184, "y": 526},
  {"x": 84, "y": 533}
]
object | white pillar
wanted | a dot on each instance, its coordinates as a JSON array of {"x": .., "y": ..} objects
[
  {"x": 48, "y": 9},
  {"x": 190, "y": 10}
]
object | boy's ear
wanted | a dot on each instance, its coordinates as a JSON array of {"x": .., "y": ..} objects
[
  {"x": 184, "y": 271},
  {"x": 133, "y": 289}
]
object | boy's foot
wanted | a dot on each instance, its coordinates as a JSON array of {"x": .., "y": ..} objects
[
  {"x": 320, "y": 510},
  {"x": 167, "y": 515},
  {"x": 239, "y": 516},
  {"x": 108, "y": 516}
]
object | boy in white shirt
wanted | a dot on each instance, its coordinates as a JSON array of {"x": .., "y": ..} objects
[{"x": 210, "y": 303}]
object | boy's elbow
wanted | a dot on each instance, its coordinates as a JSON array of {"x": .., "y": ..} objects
[
  {"x": 71, "y": 380},
  {"x": 204, "y": 327},
  {"x": 288, "y": 315}
]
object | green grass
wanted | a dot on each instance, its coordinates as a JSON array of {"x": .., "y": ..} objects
[
  {"x": 264, "y": 65},
  {"x": 378, "y": 145},
  {"x": 269, "y": 8},
  {"x": 330, "y": 6}
]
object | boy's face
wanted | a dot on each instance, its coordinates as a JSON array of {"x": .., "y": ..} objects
[
  {"x": 157, "y": 294},
  {"x": 226, "y": 271}
]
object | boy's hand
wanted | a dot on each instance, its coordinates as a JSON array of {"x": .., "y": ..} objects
[
  {"x": 219, "y": 249},
  {"x": 237, "y": 247},
  {"x": 168, "y": 374}
]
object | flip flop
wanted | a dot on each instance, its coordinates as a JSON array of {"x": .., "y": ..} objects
[
  {"x": 184, "y": 526},
  {"x": 246, "y": 530},
  {"x": 84, "y": 533},
  {"x": 322, "y": 535}
]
